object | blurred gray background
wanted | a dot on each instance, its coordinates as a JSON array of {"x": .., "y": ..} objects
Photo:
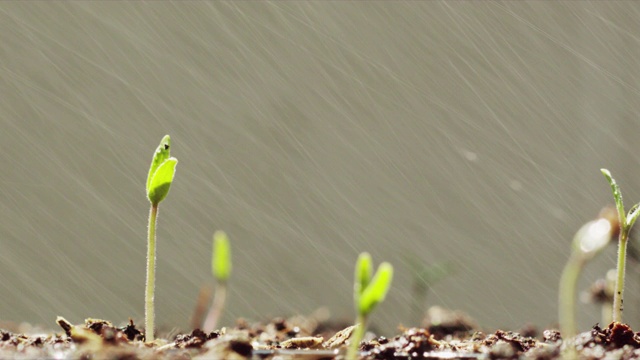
[{"x": 311, "y": 131}]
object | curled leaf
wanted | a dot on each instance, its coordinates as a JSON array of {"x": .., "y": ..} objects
[
  {"x": 617, "y": 196},
  {"x": 160, "y": 156},
  {"x": 632, "y": 216},
  {"x": 161, "y": 181}
]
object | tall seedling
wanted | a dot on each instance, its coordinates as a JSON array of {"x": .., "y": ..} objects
[
  {"x": 626, "y": 221},
  {"x": 161, "y": 172}
]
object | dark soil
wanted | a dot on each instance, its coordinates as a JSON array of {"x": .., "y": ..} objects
[{"x": 448, "y": 335}]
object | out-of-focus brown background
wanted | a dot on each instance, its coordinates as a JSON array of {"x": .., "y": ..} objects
[{"x": 463, "y": 132}]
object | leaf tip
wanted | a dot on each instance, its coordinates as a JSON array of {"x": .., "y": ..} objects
[
  {"x": 386, "y": 266},
  {"x": 166, "y": 142}
]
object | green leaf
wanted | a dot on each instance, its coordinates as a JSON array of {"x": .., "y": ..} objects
[
  {"x": 161, "y": 181},
  {"x": 161, "y": 155},
  {"x": 617, "y": 196},
  {"x": 363, "y": 273},
  {"x": 221, "y": 258},
  {"x": 632, "y": 216},
  {"x": 377, "y": 289}
]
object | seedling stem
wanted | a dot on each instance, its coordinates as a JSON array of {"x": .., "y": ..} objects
[
  {"x": 216, "y": 308},
  {"x": 617, "y": 295},
  {"x": 149, "y": 310},
  {"x": 356, "y": 337}
]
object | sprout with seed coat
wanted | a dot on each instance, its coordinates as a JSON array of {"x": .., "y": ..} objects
[{"x": 590, "y": 240}]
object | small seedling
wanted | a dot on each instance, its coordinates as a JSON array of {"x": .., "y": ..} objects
[
  {"x": 590, "y": 240},
  {"x": 626, "y": 223},
  {"x": 367, "y": 293},
  {"x": 424, "y": 278},
  {"x": 221, "y": 268},
  {"x": 161, "y": 172}
]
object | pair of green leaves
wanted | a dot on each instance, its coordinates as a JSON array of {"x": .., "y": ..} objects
[
  {"x": 161, "y": 172},
  {"x": 626, "y": 219},
  {"x": 370, "y": 291}
]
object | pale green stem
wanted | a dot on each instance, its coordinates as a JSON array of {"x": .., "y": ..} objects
[
  {"x": 622, "y": 255},
  {"x": 216, "y": 308},
  {"x": 149, "y": 312},
  {"x": 567, "y": 301},
  {"x": 356, "y": 337}
]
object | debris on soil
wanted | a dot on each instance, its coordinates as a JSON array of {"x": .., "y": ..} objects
[
  {"x": 340, "y": 338},
  {"x": 442, "y": 322},
  {"x": 451, "y": 335}
]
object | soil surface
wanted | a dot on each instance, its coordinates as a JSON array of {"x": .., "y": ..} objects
[{"x": 445, "y": 335}]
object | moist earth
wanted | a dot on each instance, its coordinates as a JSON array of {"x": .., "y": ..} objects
[{"x": 445, "y": 335}]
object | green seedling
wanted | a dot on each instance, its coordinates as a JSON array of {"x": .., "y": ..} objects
[
  {"x": 161, "y": 172},
  {"x": 626, "y": 223},
  {"x": 221, "y": 268},
  {"x": 590, "y": 240},
  {"x": 368, "y": 292},
  {"x": 424, "y": 278}
]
